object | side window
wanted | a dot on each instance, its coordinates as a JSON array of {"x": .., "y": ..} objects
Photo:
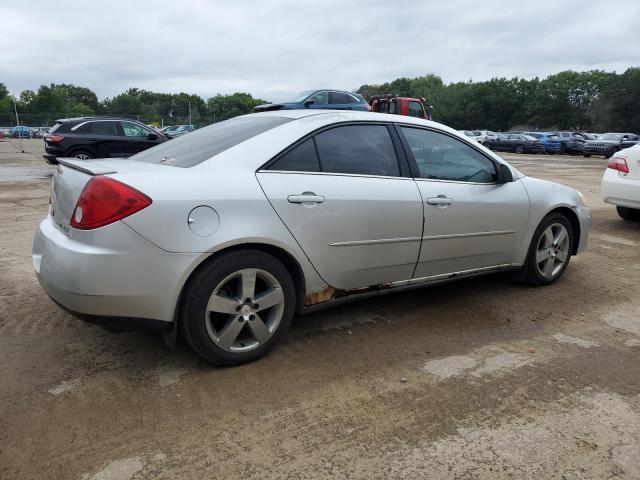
[
  {"x": 86, "y": 128},
  {"x": 358, "y": 149},
  {"x": 352, "y": 99},
  {"x": 104, "y": 128},
  {"x": 393, "y": 106},
  {"x": 134, "y": 130},
  {"x": 415, "y": 110},
  {"x": 320, "y": 98},
  {"x": 442, "y": 157},
  {"x": 302, "y": 158},
  {"x": 338, "y": 97}
]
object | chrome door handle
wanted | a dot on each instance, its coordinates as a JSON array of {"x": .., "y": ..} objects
[
  {"x": 305, "y": 198},
  {"x": 440, "y": 200}
]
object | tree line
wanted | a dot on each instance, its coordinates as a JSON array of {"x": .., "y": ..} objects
[{"x": 592, "y": 101}]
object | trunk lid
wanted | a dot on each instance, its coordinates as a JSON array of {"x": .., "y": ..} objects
[{"x": 70, "y": 177}]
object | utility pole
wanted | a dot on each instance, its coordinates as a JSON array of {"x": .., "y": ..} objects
[
  {"x": 15, "y": 109},
  {"x": 189, "y": 112}
]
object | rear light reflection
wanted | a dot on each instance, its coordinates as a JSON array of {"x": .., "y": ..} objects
[
  {"x": 105, "y": 200},
  {"x": 619, "y": 164}
]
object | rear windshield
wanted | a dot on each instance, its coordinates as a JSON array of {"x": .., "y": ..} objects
[{"x": 200, "y": 145}]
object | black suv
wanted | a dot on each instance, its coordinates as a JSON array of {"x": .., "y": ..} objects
[
  {"x": 608, "y": 144},
  {"x": 98, "y": 137}
]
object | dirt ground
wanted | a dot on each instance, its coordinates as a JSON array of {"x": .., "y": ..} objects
[{"x": 480, "y": 379}]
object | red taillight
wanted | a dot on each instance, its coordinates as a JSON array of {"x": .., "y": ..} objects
[
  {"x": 619, "y": 164},
  {"x": 104, "y": 200},
  {"x": 54, "y": 138}
]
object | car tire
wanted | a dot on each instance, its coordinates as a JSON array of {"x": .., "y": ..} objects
[
  {"x": 220, "y": 315},
  {"x": 81, "y": 154},
  {"x": 630, "y": 214},
  {"x": 563, "y": 149},
  {"x": 586, "y": 155},
  {"x": 519, "y": 149},
  {"x": 549, "y": 252}
]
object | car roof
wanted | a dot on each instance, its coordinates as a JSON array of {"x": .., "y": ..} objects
[{"x": 86, "y": 119}]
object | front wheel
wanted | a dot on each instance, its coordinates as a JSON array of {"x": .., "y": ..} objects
[
  {"x": 626, "y": 213},
  {"x": 550, "y": 250},
  {"x": 519, "y": 149},
  {"x": 237, "y": 307},
  {"x": 586, "y": 155}
]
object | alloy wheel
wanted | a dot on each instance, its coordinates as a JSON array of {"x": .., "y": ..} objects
[
  {"x": 244, "y": 310},
  {"x": 553, "y": 250},
  {"x": 82, "y": 156}
]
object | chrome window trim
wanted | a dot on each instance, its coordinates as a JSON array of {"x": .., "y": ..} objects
[
  {"x": 380, "y": 241},
  {"x": 337, "y": 174}
]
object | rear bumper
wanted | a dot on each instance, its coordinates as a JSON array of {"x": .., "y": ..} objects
[
  {"x": 50, "y": 158},
  {"x": 109, "y": 272},
  {"x": 591, "y": 150},
  {"x": 620, "y": 191}
]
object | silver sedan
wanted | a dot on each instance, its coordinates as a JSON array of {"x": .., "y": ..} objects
[{"x": 226, "y": 233}]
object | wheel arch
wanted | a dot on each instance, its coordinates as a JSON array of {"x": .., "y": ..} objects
[
  {"x": 80, "y": 148},
  {"x": 575, "y": 224},
  {"x": 286, "y": 258}
]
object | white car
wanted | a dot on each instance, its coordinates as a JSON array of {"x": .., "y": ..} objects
[
  {"x": 484, "y": 136},
  {"x": 470, "y": 134},
  {"x": 621, "y": 182}
]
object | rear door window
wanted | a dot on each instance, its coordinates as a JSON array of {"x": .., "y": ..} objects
[
  {"x": 200, "y": 145},
  {"x": 358, "y": 149},
  {"x": 107, "y": 128},
  {"x": 301, "y": 158},
  {"x": 338, "y": 98}
]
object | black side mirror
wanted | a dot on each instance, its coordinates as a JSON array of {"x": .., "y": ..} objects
[
  {"x": 504, "y": 174},
  {"x": 152, "y": 136},
  {"x": 308, "y": 103}
]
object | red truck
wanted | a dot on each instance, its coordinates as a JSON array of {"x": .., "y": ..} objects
[{"x": 412, "y": 107}]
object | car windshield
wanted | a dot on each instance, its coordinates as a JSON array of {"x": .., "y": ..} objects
[
  {"x": 200, "y": 145},
  {"x": 536, "y": 135},
  {"x": 298, "y": 97},
  {"x": 610, "y": 136}
]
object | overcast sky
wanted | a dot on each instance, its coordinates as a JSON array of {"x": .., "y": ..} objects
[{"x": 277, "y": 47}]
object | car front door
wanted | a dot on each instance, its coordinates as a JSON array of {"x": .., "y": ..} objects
[
  {"x": 470, "y": 221},
  {"x": 347, "y": 197},
  {"x": 137, "y": 137}
]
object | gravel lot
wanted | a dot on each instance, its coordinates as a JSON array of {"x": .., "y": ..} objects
[{"x": 482, "y": 378}]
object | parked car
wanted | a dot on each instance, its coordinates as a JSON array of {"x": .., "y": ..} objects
[
  {"x": 549, "y": 140},
  {"x": 485, "y": 136},
  {"x": 98, "y": 137},
  {"x": 608, "y": 144},
  {"x": 21, "y": 132},
  {"x": 621, "y": 182},
  {"x": 229, "y": 231},
  {"x": 412, "y": 107},
  {"x": 571, "y": 142},
  {"x": 470, "y": 134},
  {"x": 516, "y": 142},
  {"x": 319, "y": 99},
  {"x": 178, "y": 130}
]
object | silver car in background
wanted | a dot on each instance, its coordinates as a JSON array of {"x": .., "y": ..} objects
[{"x": 231, "y": 230}]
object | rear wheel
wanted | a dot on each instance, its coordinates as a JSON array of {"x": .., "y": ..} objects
[
  {"x": 519, "y": 148},
  {"x": 631, "y": 214},
  {"x": 82, "y": 154},
  {"x": 550, "y": 250},
  {"x": 238, "y": 307},
  {"x": 586, "y": 155}
]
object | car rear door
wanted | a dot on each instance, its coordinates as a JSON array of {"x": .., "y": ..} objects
[
  {"x": 471, "y": 221},
  {"x": 348, "y": 198},
  {"x": 103, "y": 137}
]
